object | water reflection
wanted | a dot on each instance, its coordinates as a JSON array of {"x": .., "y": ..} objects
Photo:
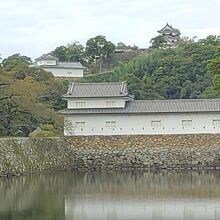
[
  {"x": 113, "y": 196},
  {"x": 137, "y": 209}
]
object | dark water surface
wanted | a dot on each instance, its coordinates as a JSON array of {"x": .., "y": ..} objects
[{"x": 112, "y": 196}]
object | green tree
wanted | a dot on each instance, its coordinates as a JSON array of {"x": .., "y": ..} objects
[
  {"x": 214, "y": 70},
  {"x": 76, "y": 52},
  {"x": 60, "y": 53},
  {"x": 16, "y": 61},
  {"x": 21, "y": 108},
  {"x": 211, "y": 39},
  {"x": 73, "y": 52},
  {"x": 170, "y": 73},
  {"x": 98, "y": 48},
  {"x": 122, "y": 46},
  {"x": 158, "y": 42}
]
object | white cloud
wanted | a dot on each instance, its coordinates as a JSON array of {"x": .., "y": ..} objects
[{"x": 35, "y": 27}]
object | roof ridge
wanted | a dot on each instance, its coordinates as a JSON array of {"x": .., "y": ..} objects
[
  {"x": 70, "y": 90},
  {"x": 124, "y": 87},
  {"x": 67, "y": 62},
  {"x": 180, "y": 100},
  {"x": 82, "y": 83}
]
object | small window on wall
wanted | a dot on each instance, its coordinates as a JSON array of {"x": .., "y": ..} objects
[
  {"x": 156, "y": 124},
  {"x": 80, "y": 124},
  {"x": 187, "y": 123},
  {"x": 110, "y": 103},
  {"x": 110, "y": 124},
  {"x": 80, "y": 104},
  {"x": 69, "y": 72},
  {"x": 216, "y": 122}
]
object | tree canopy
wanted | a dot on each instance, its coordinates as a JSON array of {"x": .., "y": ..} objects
[
  {"x": 168, "y": 73},
  {"x": 98, "y": 46},
  {"x": 73, "y": 52},
  {"x": 214, "y": 70},
  {"x": 22, "y": 106},
  {"x": 158, "y": 42}
]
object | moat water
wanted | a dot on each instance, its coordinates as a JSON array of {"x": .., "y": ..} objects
[{"x": 166, "y": 195}]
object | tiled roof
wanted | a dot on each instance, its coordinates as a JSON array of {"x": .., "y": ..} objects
[
  {"x": 46, "y": 57},
  {"x": 156, "y": 106},
  {"x": 168, "y": 28},
  {"x": 89, "y": 90}
]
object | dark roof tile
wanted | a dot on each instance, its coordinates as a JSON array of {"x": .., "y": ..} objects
[
  {"x": 46, "y": 57},
  {"x": 91, "y": 90},
  {"x": 155, "y": 106}
]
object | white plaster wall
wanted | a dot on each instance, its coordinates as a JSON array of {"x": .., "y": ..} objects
[
  {"x": 141, "y": 124},
  {"x": 46, "y": 62},
  {"x": 96, "y": 103},
  {"x": 63, "y": 72}
]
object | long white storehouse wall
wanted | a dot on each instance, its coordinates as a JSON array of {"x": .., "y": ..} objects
[
  {"x": 65, "y": 72},
  {"x": 141, "y": 124},
  {"x": 96, "y": 103}
]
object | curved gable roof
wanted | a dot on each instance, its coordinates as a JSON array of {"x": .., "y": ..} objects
[
  {"x": 168, "y": 29},
  {"x": 92, "y": 90}
]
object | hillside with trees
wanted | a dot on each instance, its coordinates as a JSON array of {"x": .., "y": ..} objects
[
  {"x": 98, "y": 55},
  {"x": 30, "y": 97},
  {"x": 180, "y": 72}
]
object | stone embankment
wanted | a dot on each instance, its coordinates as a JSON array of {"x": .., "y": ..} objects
[{"x": 30, "y": 155}]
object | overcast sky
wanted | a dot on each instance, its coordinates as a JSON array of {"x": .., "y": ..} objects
[{"x": 35, "y": 27}]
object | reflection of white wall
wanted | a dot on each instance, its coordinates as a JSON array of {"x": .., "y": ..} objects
[
  {"x": 90, "y": 208},
  {"x": 95, "y": 124}
]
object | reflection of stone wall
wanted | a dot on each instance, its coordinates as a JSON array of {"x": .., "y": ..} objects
[
  {"x": 23, "y": 193},
  {"x": 142, "y": 184},
  {"x": 115, "y": 152}
]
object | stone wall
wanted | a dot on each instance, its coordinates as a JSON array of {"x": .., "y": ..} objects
[
  {"x": 28, "y": 155},
  {"x": 146, "y": 152}
]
